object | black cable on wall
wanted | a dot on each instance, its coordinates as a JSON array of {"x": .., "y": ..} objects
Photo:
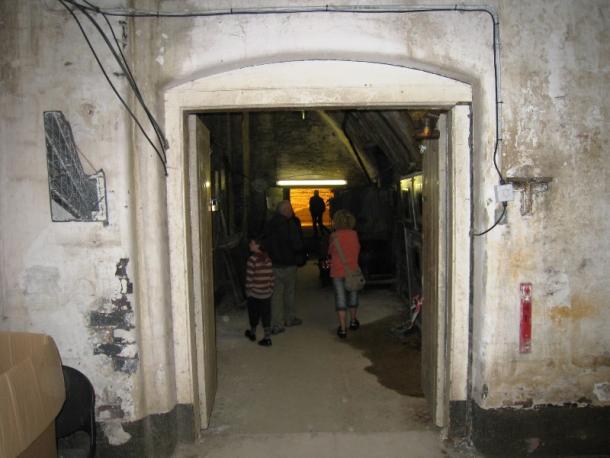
[
  {"x": 127, "y": 72},
  {"x": 362, "y": 9}
]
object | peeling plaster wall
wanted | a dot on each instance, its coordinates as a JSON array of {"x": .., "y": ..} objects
[
  {"x": 556, "y": 72},
  {"x": 555, "y": 60},
  {"x": 554, "y": 112},
  {"x": 54, "y": 276}
]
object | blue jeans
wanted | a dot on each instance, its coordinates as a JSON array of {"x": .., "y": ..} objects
[{"x": 343, "y": 298}]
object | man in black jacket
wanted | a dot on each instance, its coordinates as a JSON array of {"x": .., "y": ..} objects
[
  {"x": 283, "y": 240},
  {"x": 317, "y": 207}
]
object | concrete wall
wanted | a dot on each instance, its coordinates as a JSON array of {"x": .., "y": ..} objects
[
  {"x": 555, "y": 64},
  {"x": 555, "y": 71},
  {"x": 70, "y": 280}
]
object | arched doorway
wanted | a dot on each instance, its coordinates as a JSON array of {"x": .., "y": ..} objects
[{"x": 307, "y": 84}]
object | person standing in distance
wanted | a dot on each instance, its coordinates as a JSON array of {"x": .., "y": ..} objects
[{"x": 317, "y": 207}]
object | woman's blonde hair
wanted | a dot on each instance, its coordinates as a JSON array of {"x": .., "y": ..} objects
[{"x": 343, "y": 219}]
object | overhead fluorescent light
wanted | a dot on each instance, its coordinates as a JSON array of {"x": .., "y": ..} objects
[{"x": 311, "y": 183}]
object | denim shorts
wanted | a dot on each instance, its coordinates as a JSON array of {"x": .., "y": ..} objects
[{"x": 343, "y": 298}]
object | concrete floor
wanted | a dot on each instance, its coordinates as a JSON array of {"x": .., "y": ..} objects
[{"x": 310, "y": 394}]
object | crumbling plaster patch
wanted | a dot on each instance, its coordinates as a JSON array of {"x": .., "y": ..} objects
[
  {"x": 76, "y": 291},
  {"x": 602, "y": 391},
  {"x": 115, "y": 433},
  {"x": 113, "y": 323}
]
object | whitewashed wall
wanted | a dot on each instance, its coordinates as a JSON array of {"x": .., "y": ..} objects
[
  {"x": 555, "y": 75},
  {"x": 555, "y": 61},
  {"x": 53, "y": 276},
  {"x": 554, "y": 67}
]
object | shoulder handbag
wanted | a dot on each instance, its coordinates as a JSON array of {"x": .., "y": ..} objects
[{"x": 354, "y": 280}]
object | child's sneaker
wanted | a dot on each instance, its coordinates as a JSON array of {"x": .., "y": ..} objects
[
  {"x": 250, "y": 335},
  {"x": 266, "y": 342},
  {"x": 354, "y": 324}
]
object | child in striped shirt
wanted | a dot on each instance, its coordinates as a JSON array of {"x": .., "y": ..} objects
[{"x": 259, "y": 288}]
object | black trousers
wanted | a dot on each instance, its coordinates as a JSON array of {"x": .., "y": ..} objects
[
  {"x": 318, "y": 225},
  {"x": 259, "y": 310}
]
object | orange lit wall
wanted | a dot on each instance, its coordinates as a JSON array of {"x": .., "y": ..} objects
[{"x": 299, "y": 197}]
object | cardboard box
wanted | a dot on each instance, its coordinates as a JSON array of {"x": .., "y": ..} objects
[{"x": 31, "y": 395}]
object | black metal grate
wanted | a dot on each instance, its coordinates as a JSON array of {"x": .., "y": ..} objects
[{"x": 69, "y": 186}]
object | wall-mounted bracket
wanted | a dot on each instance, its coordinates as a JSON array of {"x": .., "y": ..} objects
[{"x": 528, "y": 186}]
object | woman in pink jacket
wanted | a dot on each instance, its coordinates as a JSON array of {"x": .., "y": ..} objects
[{"x": 347, "y": 238}]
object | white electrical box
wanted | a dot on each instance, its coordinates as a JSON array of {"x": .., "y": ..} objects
[{"x": 504, "y": 193}]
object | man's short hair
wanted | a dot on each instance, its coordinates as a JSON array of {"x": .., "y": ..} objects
[{"x": 283, "y": 206}]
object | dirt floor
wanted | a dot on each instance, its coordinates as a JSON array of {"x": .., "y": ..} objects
[{"x": 312, "y": 394}]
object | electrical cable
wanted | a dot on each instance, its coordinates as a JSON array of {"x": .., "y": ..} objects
[
  {"x": 127, "y": 70},
  {"x": 504, "y": 205},
  {"x": 133, "y": 116},
  {"x": 363, "y": 9},
  {"x": 134, "y": 87}
]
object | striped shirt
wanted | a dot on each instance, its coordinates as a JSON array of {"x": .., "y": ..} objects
[{"x": 259, "y": 276}]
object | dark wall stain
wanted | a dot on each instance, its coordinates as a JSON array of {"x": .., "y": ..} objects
[
  {"x": 111, "y": 411},
  {"x": 108, "y": 349},
  {"x": 120, "y": 317},
  {"x": 121, "y": 268},
  {"x": 127, "y": 365},
  {"x": 541, "y": 431}
]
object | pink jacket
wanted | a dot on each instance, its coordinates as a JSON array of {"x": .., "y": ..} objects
[{"x": 348, "y": 239}]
